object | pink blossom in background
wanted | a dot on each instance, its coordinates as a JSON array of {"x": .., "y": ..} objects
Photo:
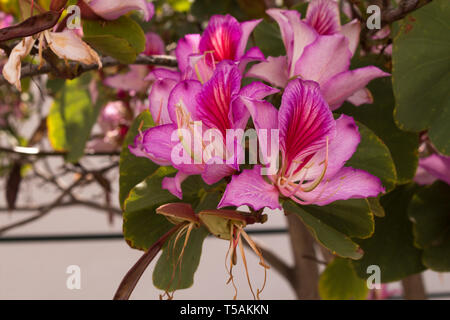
[
  {"x": 113, "y": 9},
  {"x": 432, "y": 168},
  {"x": 314, "y": 149}
]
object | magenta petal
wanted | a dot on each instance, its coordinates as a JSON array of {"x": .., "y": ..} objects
[
  {"x": 341, "y": 148},
  {"x": 132, "y": 80},
  {"x": 347, "y": 183},
  {"x": 352, "y": 30},
  {"x": 323, "y": 16},
  {"x": 215, "y": 172},
  {"x": 154, "y": 44},
  {"x": 163, "y": 73},
  {"x": 305, "y": 121},
  {"x": 438, "y": 166},
  {"x": 184, "y": 94},
  {"x": 215, "y": 99},
  {"x": 173, "y": 185},
  {"x": 247, "y": 28},
  {"x": 362, "y": 96},
  {"x": 249, "y": 188},
  {"x": 274, "y": 71},
  {"x": 158, "y": 99},
  {"x": 253, "y": 54},
  {"x": 296, "y": 34},
  {"x": 113, "y": 9},
  {"x": 155, "y": 143},
  {"x": 324, "y": 58},
  {"x": 222, "y": 36},
  {"x": 185, "y": 47},
  {"x": 345, "y": 84}
]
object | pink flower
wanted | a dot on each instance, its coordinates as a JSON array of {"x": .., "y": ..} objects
[
  {"x": 190, "y": 110},
  {"x": 319, "y": 49},
  {"x": 314, "y": 149},
  {"x": 433, "y": 167},
  {"x": 113, "y": 9},
  {"x": 223, "y": 39}
]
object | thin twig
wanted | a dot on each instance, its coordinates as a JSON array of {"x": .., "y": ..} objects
[
  {"x": 155, "y": 60},
  {"x": 35, "y": 152}
]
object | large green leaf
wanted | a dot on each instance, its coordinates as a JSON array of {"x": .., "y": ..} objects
[
  {"x": 122, "y": 38},
  {"x": 373, "y": 156},
  {"x": 379, "y": 118},
  {"x": 71, "y": 119},
  {"x": 392, "y": 245},
  {"x": 421, "y": 72},
  {"x": 340, "y": 282},
  {"x": 430, "y": 213},
  {"x": 328, "y": 236},
  {"x": 134, "y": 169}
]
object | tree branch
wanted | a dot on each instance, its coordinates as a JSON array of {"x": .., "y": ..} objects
[
  {"x": 404, "y": 7},
  {"x": 34, "y": 70}
]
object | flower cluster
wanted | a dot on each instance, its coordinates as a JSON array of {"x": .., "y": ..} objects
[{"x": 207, "y": 95}]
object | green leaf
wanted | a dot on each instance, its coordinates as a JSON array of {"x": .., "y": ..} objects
[
  {"x": 268, "y": 38},
  {"x": 340, "y": 282},
  {"x": 379, "y": 118},
  {"x": 373, "y": 156},
  {"x": 180, "y": 5},
  {"x": 134, "y": 169},
  {"x": 336, "y": 241},
  {"x": 421, "y": 72},
  {"x": 391, "y": 247},
  {"x": 122, "y": 38},
  {"x": 430, "y": 212},
  {"x": 141, "y": 225},
  {"x": 169, "y": 276},
  {"x": 71, "y": 119}
]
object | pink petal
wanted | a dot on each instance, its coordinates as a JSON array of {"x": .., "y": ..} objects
[
  {"x": 438, "y": 166},
  {"x": 323, "y": 16},
  {"x": 253, "y": 54},
  {"x": 345, "y": 84},
  {"x": 249, "y": 188},
  {"x": 184, "y": 93},
  {"x": 130, "y": 81},
  {"x": 274, "y": 71},
  {"x": 215, "y": 172},
  {"x": 348, "y": 183},
  {"x": 341, "y": 148},
  {"x": 154, "y": 45},
  {"x": 324, "y": 58},
  {"x": 158, "y": 99},
  {"x": 113, "y": 9},
  {"x": 173, "y": 184},
  {"x": 185, "y": 47},
  {"x": 222, "y": 36},
  {"x": 155, "y": 143},
  {"x": 362, "y": 96},
  {"x": 305, "y": 122},
  {"x": 163, "y": 73},
  {"x": 214, "y": 101},
  {"x": 247, "y": 28},
  {"x": 296, "y": 34},
  {"x": 352, "y": 30}
]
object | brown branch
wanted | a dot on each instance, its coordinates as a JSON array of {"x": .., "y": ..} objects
[
  {"x": 404, "y": 7},
  {"x": 45, "y": 210},
  {"x": 34, "y": 70},
  {"x": 35, "y": 152},
  {"x": 413, "y": 287}
]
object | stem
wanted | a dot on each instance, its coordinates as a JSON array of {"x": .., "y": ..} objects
[
  {"x": 306, "y": 272},
  {"x": 413, "y": 287},
  {"x": 132, "y": 277}
]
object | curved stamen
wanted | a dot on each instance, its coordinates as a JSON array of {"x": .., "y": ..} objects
[{"x": 322, "y": 175}]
